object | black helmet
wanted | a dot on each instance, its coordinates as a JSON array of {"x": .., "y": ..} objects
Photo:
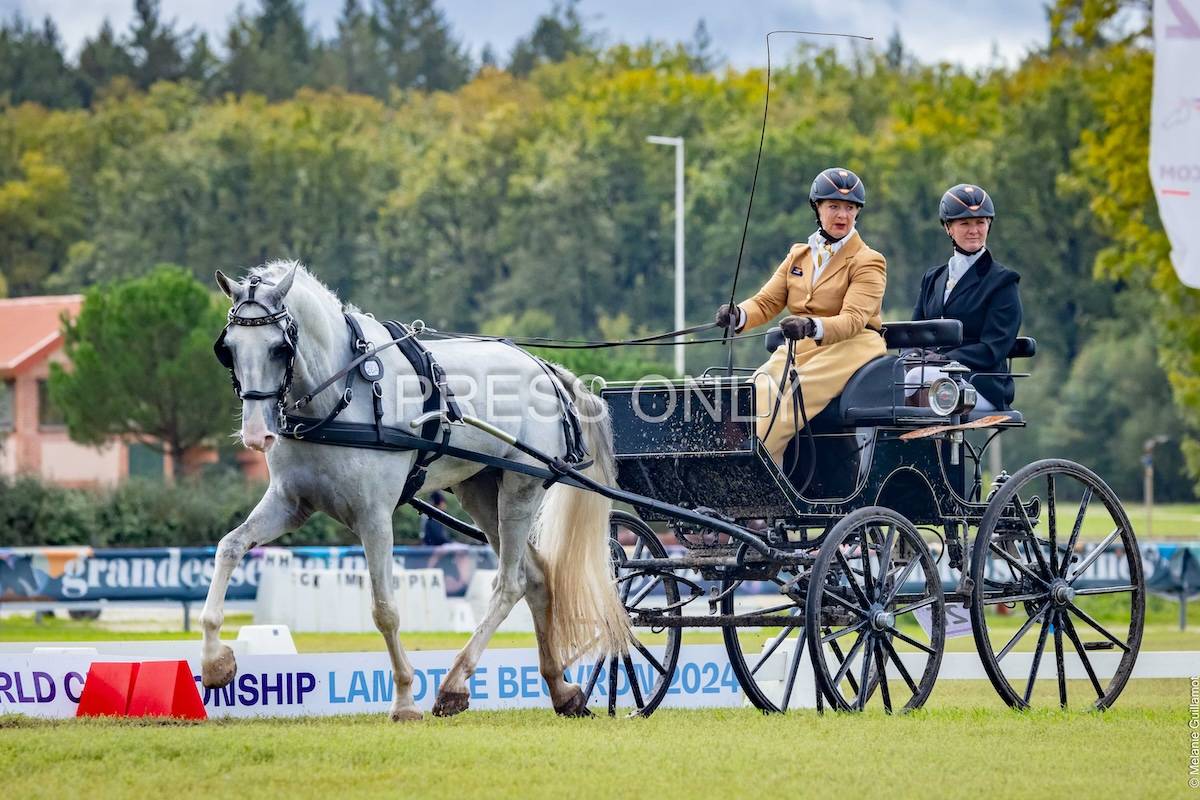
[
  {"x": 965, "y": 201},
  {"x": 837, "y": 183}
]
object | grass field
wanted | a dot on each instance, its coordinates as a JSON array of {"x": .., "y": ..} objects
[
  {"x": 964, "y": 743},
  {"x": 1170, "y": 521}
]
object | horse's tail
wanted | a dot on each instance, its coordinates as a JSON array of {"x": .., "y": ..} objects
[{"x": 571, "y": 535}]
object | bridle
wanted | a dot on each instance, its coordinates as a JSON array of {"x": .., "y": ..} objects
[
  {"x": 291, "y": 336},
  {"x": 364, "y": 363}
]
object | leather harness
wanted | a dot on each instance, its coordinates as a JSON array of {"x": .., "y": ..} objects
[{"x": 439, "y": 407}]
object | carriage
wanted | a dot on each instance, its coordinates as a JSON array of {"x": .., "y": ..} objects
[
  {"x": 826, "y": 560},
  {"x": 847, "y": 559}
]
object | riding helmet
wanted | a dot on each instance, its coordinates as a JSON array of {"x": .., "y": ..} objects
[
  {"x": 965, "y": 201},
  {"x": 837, "y": 183}
]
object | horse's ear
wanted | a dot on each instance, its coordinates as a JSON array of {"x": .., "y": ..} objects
[
  {"x": 226, "y": 284},
  {"x": 284, "y": 285}
]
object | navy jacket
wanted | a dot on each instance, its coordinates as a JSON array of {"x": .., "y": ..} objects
[{"x": 988, "y": 304}]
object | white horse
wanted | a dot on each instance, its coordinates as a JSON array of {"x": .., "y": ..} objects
[{"x": 552, "y": 544}]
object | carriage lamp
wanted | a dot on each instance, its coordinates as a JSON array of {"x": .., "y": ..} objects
[
  {"x": 943, "y": 396},
  {"x": 951, "y": 394},
  {"x": 948, "y": 396}
]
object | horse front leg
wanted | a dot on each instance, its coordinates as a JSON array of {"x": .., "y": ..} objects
[
  {"x": 270, "y": 519},
  {"x": 377, "y": 539}
]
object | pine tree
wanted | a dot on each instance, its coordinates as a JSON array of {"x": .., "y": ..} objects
[
  {"x": 202, "y": 64},
  {"x": 487, "y": 57},
  {"x": 555, "y": 37},
  {"x": 354, "y": 59},
  {"x": 100, "y": 61},
  {"x": 271, "y": 53},
  {"x": 702, "y": 56},
  {"x": 420, "y": 49},
  {"x": 157, "y": 48},
  {"x": 895, "y": 50},
  {"x": 32, "y": 66}
]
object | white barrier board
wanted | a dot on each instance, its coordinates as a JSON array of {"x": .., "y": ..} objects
[{"x": 322, "y": 684}]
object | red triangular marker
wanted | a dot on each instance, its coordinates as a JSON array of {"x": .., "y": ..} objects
[
  {"x": 106, "y": 689},
  {"x": 165, "y": 689}
]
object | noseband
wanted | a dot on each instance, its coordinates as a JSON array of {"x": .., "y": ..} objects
[{"x": 290, "y": 336}]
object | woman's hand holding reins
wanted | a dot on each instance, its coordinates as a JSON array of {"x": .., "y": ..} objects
[
  {"x": 728, "y": 316},
  {"x": 798, "y": 327}
]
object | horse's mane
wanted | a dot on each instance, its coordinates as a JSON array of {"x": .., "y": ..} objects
[{"x": 312, "y": 303}]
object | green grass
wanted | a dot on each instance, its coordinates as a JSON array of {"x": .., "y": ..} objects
[
  {"x": 1161, "y": 633},
  {"x": 1171, "y": 521},
  {"x": 963, "y": 743}
]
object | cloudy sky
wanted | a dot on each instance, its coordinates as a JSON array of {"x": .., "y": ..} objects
[{"x": 968, "y": 32}]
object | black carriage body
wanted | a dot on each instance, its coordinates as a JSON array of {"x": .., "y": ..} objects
[{"x": 692, "y": 444}]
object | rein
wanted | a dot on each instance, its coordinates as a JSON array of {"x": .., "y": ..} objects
[{"x": 655, "y": 340}]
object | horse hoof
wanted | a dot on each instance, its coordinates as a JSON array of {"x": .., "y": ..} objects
[
  {"x": 575, "y": 706},
  {"x": 220, "y": 671},
  {"x": 407, "y": 715},
  {"x": 450, "y": 703}
]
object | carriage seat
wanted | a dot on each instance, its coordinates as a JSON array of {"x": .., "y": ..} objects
[
  {"x": 902, "y": 335},
  {"x": 875, "y": 391},
  {"x": 924, "y": 334}
]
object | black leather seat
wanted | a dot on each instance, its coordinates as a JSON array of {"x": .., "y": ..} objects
[{"x": 874, "y": 395}]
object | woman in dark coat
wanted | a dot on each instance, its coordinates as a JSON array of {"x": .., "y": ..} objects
[{"x": 979, "y": 292}]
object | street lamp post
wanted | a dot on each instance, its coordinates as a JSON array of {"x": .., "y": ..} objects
[
  {"x": 1148, "y": 479},
  {"x": 677, "y": 143}
]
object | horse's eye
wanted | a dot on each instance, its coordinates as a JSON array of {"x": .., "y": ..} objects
[{"x": 281, "y": 352}]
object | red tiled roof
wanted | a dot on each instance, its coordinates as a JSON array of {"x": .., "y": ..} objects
[{"x": 29, "y": 327}]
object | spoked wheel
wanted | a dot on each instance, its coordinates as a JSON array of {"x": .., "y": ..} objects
[
  {"x": 1024, "y": 562},
  {"x": 766, "y": 657},
  {"x": 640, "y": 678},
  {"x": 873, "y": 576}
]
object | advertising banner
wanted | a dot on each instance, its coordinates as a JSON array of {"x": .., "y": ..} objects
[
  {"x": 49, "y": 685},
  {"x": 80, "y": 574},
  {"x": 183, "y": 573},
  {"x": 1175, "y": 131}
]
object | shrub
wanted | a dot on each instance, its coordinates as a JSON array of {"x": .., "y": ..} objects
[{"x": 141, "y": 513}]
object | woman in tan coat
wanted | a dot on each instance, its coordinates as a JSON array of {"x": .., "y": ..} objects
[{"x": 832, "y": 286}]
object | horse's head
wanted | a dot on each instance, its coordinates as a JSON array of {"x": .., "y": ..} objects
[{"x": 258, "y": 346}]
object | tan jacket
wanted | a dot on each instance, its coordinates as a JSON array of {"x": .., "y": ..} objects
[{"x": 847, "y": 298}]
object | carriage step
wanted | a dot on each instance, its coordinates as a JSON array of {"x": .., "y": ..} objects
[{"x": 1098, "y": 646}]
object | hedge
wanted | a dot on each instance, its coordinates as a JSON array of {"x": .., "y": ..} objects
[{"x": 142, "y": 513}]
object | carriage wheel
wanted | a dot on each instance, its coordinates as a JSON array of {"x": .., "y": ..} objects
[
  {"x": 1024, "y": 561},
  {"x": 766, "y": 660},
  {"x": 644, "y": 674},
  {"x": 876, "y": 608}
]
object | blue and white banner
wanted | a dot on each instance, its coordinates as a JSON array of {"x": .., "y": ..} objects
[
  {"x": 323, "y": 684},
  {"x": 82, "y": 574}
]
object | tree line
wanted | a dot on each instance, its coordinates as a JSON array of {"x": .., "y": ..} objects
[
  {"x": 523, "y": 199},
  {"x": 379, "y": 46}
]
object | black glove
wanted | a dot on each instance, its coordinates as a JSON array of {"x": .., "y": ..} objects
[
  {"x": 798, "y": 327},
  {"x": 927, "y": 356},
  {"x": 728, "y": 316}
]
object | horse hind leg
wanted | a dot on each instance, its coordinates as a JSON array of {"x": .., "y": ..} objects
[
  {"x": 567, "y": 698},
  {"x": 270, "y": 519},
  {"x": 503, "y": 510}
]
